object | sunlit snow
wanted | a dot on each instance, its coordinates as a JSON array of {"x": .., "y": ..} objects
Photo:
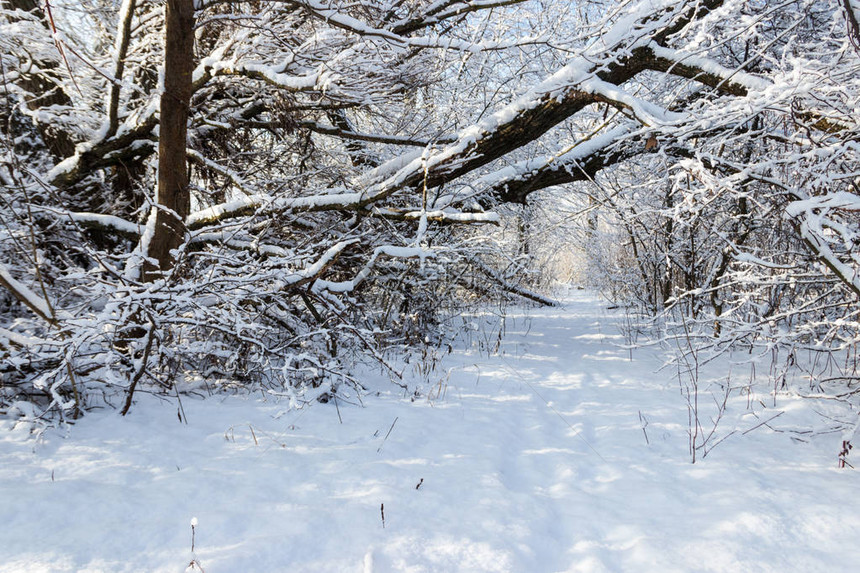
[{"x": 563, "y": 452}]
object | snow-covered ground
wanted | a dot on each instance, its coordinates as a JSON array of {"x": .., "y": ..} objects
[{"x": 532, "y": 460}]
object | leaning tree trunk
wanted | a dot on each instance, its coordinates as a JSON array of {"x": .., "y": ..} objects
[{"x": 174, "y": 202}]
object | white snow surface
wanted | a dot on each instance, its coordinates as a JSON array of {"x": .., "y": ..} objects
[{"x": 531, "y": 460}]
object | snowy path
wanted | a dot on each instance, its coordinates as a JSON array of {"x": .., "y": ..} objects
[{"x": 533, "y": 461}]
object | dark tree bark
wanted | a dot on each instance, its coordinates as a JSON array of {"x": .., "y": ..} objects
[{"x": 174, "y": 202}]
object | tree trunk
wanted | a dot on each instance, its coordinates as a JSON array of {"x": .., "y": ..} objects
[{"x": 174, "y": 202}]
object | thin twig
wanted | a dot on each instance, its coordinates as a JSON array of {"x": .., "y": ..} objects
[
  {"x": 383, "y": 443},
  {"x": 745, "y": 432},
  {"x": 139, "y": 374}
]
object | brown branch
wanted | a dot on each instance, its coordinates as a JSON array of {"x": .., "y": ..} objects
[
  {"x": 369, "y": 137},
  {"x": 437, "y": 216},
  {"x": 122, "y": 44},
  {"x": 517, "y": 190},
  {"x": 852, "y": 24},
  {"x": 31, "y": 300},
  {"x": 150, "y": 337},
  {"x": 549, "y": 110},
  {"x": 689, "y": 71},
  {"x": 444, "y": 11},
  {"x": 503, "y": 284},
  {"x": 107, "y": 153}
]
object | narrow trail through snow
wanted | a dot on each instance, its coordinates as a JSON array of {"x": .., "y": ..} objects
[{"x": 531, "y": 460}]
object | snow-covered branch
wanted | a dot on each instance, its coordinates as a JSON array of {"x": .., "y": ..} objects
[
  {"x": 441, "y": 10},
  {"x": 510, "y": 287},
  {"x": 331, "y": 15},
  {"x": 811, "y": 216},
  {"x": 437, "y": 216},
  {"x": 317, "y": 127},
  {"x": 383, "y": 250},
  {"x": 30, "y": 299},
  {"x": 98, "y": 221}
]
